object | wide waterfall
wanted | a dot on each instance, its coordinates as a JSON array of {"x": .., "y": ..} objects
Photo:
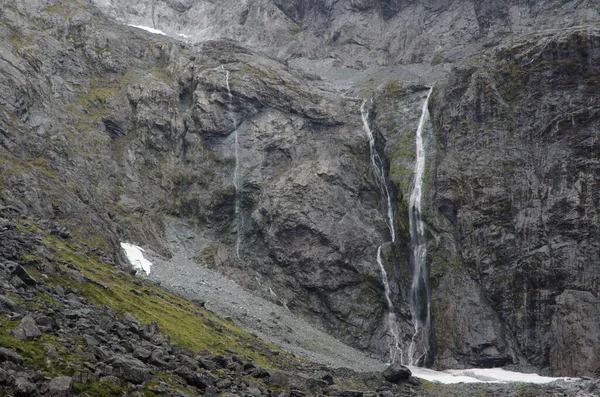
[
  {"x": 378, "y": 170},
  {"x": 236, "y": 171},
  {"x": 420, "y": 294}
]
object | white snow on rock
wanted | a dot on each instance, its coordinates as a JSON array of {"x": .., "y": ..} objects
[
  {"x": 480, "y": 375},
  {"x": 136, "y": 257},
  {"x": 151, "y": 30}
]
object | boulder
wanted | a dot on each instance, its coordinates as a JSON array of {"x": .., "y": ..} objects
[
  {"x": 25, "y": 388},
  {"x": 24, "y": 275},
  {"x": 27, "y": 329},
  {"x": 10, "y": 355},
  {"x": 60, "y": 387},
  {"x": 397, "y": 373},
  {"x": 131, "y": 369},
  {"x": 7, "y": 303}
]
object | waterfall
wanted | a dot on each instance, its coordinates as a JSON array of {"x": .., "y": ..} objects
[
  {"x": 394, "y": 346},
  {"x": 419, "y": 291},
  {"x": 378, "y": 171},
  {"x": 236, "y": 171}
]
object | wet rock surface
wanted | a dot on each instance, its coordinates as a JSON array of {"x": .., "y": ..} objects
[{"x": 110, "y": 133}]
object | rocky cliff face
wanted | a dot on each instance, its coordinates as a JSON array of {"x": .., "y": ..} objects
[
  {"x": 355, "y": 33},
  {"x": 131, "y": 128},
  {"x": 106, "y": 130},
  {"x": 516, "y": 183}
]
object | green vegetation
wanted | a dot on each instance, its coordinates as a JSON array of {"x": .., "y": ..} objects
[
  {"x": 368, "y": 293},
  {"x": 26, "y": 225},
  {"x": 64, "y": 8},
  {"x": 438, "y": 58},
  {"x": 177, "y": 317},
  {"x": 185, "y": 323},
  {"x": 34, "y": 354},
  {"x": 391, "y": 90},
  {"x": 18, "y": 40},
  {"x": 99, "y": 389},
  {"x": 93, "y": 104}
]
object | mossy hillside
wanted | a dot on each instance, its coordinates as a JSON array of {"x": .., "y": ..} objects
[
  {"x": 34, "y": 354},
  {"x": 67, "y": 362},
  {"x": 179, "y": 318},
  {"x": 64, "y": 8}
]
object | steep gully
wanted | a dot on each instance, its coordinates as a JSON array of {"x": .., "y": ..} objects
[
  {"x": 419, "y": 293},
  {"x": 236, "y": 172}
]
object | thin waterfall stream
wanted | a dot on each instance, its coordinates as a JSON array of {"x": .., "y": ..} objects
[
  {"x": 236, "y": 171},
  {"x": 420, "y": 294},
  {"x": 378, "y": 170}
]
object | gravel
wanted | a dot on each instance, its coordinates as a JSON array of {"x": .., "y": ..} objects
[{"x": 224, "y": 297}]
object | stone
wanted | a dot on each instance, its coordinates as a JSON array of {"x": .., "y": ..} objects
[
  {"x": 397, "y": 373},
  {"x": 129, "y": 368},
  {"x": 46, "y": 323},
  {"x": 16, "y": 282},
  {"x": 25, "y": 388},
  {"x": 352, "y": 393},
  {"x": 51, "y": 351},
  {"x": 27, "y": 329},
  {"x": 253, "y": 391},
  {"x": 4, "y": 377},
  {"x": 205, "y": 363},
  {"x": 141, "y": 353},
  {"x": 60, "y": 387},
  {"x": 192, "y": 378},
  {"x": 211, "y": 391},
  {"x": 7, "y": 303},
  {"x": 158, "y": 358},
  {"x": 24, "y": 275},
  {"x": 76, "y": 276},
  {"x": 10, "y": 355}
]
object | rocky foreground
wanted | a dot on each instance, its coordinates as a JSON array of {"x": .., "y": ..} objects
[
  {"x": 73, "y": 324},
  {"x": 65, "y": 331}
]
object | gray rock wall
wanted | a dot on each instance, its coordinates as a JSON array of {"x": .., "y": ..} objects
[
  {"x": 517, "y": 190},
  {"x": 356, "y": 33}
]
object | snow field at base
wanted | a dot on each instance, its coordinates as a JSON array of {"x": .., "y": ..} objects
[
  {"x": 481, "y": 375},
  {"x": 136, "y": 257}
]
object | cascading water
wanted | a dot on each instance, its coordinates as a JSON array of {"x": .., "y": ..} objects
[
  {"x": 378, "y": 170},
  {"x": 236, "y": 171},
  {"x": 419, "y": 291}
]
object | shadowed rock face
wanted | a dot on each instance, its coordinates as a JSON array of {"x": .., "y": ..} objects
[
  {"x": 516, "y": 184},
  {"x": 105, "y": 130}
]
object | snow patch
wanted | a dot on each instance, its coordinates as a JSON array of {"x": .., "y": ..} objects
[
  {"x": 136, "y": 257},
  {"x": 481, "y": 375},
  {"x": 151, "y": 30}
]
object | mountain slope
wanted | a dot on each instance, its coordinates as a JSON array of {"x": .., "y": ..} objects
[{"x": 109, "y": 133}]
